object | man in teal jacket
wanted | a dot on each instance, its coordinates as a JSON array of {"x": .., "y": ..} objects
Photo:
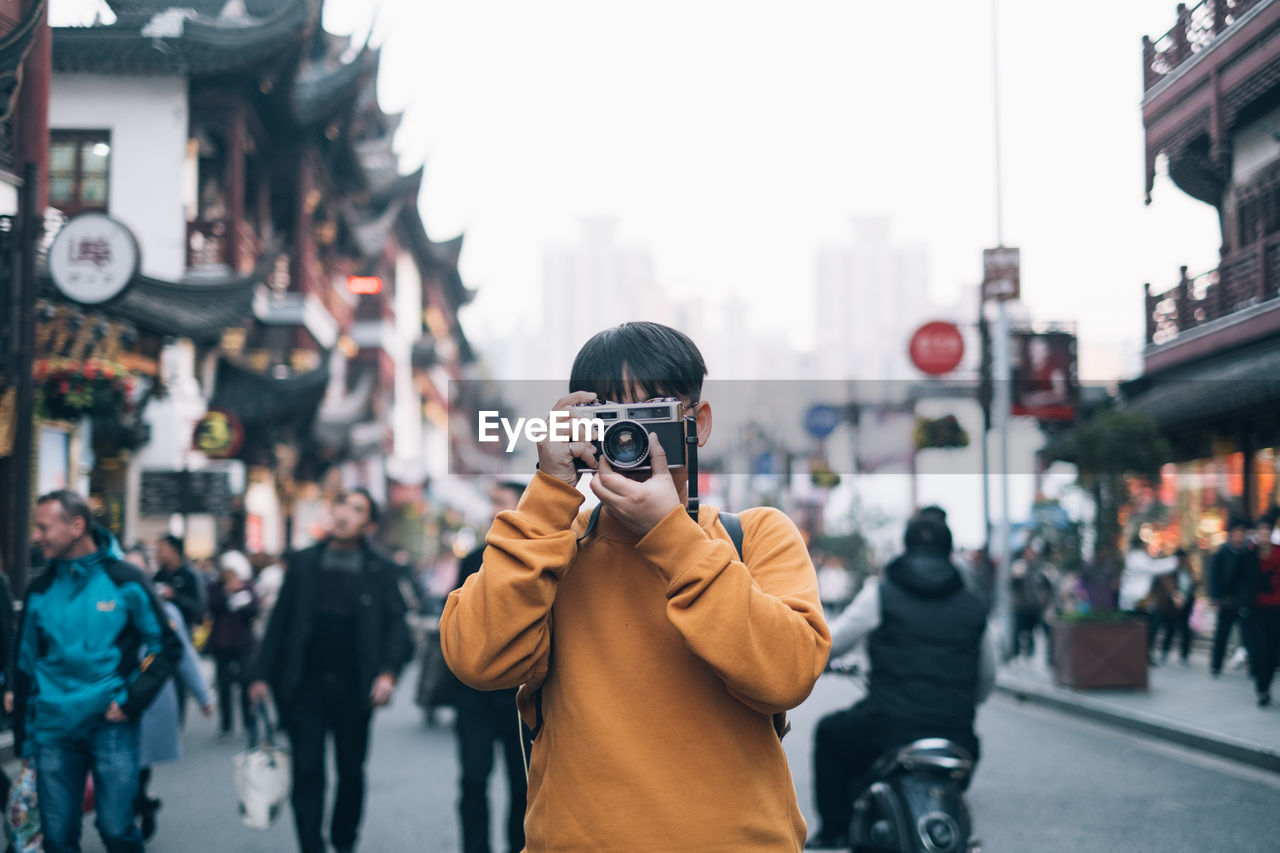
[{"x": 95, "y": 647}]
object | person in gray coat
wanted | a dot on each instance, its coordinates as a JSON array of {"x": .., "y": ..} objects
[{"x": 160, "y": 730}]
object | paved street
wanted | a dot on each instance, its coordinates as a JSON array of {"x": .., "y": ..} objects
[{"x": 1049, "y": 783}]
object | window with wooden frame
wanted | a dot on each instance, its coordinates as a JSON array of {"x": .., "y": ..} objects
[{"x": 79, "y": 170}]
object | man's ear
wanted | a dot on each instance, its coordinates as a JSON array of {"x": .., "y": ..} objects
[{"x": 702, "y": 413}]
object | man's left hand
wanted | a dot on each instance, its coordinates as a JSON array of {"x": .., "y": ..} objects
[
  {"x": 383, "y": 686},
  {"x": 639, "y": 506},
  {"x": 115, "y": 714}
]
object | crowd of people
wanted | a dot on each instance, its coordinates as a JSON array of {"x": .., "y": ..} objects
[{"x": 1232, "y": 601}]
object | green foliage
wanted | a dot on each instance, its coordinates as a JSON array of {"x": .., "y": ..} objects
[
  {"x": 1106, "y": 449},
  {"x": 943, "y": 433}
]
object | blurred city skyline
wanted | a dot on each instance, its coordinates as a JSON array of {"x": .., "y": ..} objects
[{"x": 734, "y": 144}]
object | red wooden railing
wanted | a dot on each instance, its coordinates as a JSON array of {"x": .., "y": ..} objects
[{"x": 1197, "y": 26}]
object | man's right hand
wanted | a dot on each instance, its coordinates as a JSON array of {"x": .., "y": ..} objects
[
  {"x": 555, "y": 458},
  {"x": 259, "y": 693}
]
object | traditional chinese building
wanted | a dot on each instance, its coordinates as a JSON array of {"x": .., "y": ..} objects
[
  {"x": 1212, "y": 358},
  {"x": 281, "y": 250}
]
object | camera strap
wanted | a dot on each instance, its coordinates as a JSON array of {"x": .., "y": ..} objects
[{"x": 691, "y": 463}]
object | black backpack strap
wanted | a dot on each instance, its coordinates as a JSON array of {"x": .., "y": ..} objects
[
  {"x": 591, "y": 523},
  {"x": 733, "y": 526}
]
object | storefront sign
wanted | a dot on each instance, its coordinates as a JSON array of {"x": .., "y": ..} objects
[
  {"x": 1001, "y": 273},
  {"x": 218, "y": 434},
  {"x": 93, "y": 259}
]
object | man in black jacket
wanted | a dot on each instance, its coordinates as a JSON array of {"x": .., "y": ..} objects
[
  {"x": 332, "y": 652},
  {"x": 932, "y": 662},
  {"x": 1232, "y": 578},
  {"x": 175, "y": 581},
  {"x": 486, "y": 718}
]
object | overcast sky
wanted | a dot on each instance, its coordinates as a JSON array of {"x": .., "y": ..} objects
[{"x": 735, "y": 138}]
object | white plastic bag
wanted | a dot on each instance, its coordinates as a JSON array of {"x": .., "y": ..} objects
[{"x": 262, "y": 779}]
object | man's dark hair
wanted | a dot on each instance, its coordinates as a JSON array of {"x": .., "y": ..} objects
[
  {"x": 177, "y": 543},
  {"x": 1238, "y": 523},
  {"x": 73, "y": 506},
  {"x": 933, "y": 512},
  {"x": 364, "y": 493},
  {"x": 926, "y": 534},
  {"x": 636, "y": 358}
]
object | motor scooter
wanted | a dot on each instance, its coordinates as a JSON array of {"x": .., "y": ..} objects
[{"x": 913, "y": 798}]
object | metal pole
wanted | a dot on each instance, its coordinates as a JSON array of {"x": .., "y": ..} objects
[
  {"x": 1000, "y": 354},
  {"x": 1001, "y": 405},
  {"x": 31, "y": 227}
]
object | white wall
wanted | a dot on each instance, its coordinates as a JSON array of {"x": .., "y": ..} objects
[{"x": 148, "y": 121}]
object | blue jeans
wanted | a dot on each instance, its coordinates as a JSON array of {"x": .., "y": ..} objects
[{"x": 110, "y": 752}]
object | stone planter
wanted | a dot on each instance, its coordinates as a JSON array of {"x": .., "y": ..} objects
[{"x": 1092, "y": 655}]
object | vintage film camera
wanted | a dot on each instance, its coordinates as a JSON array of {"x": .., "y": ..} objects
[{"x": 626, "y": 431}]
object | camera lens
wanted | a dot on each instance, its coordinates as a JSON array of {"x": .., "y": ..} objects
[{"x": 626, "y": 444}]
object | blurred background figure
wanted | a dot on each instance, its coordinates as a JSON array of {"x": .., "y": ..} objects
[
  {"x": 487, "y": 719},
  {"x": 160, "y": 737},
  {"x": 1231, "y": 588},
  {"x": 1266, "y": 614},
  {"x": 1031, "y": 593},
  {"x": 233, "y": 605}
]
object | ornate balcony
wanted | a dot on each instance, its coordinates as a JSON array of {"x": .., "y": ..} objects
[
  {"x": 1196, "y": 28},
  {"x": 1234, "y": 302}
]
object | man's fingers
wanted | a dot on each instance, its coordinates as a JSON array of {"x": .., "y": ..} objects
[
  {"x": 657, "y": 457},
  {"x": 577, "y": 398},
  {"x": 584, "y": 451}
]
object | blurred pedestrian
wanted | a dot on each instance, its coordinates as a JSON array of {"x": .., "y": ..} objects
[
  {"x": 95, "y": 649},
  {"x": 233, "y": 604},
  {"x": 1182, "y": 591},
  {"x": 333, "y": 650},
  {"x": 175, "y": 580},
  {"x": 178, "y": 581},
  {"x": 1266, "y": 615},
  {"x": 267, "y": 585},
  {"x": 1232, "y": 576},
  {"x": 160, "y": 736},
  {"x": 487, "y": 718},
  {"x": 1030, "y": 592}
]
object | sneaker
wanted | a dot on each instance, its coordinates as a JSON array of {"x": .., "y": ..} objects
[
  {"x": 1239, "y": 659},
  {"x": 1264, "y": 699}
]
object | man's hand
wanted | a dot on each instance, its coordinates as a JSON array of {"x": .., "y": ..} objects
[
  {"x": 383, "y": 686},
  {"x": 164, "y": 591},
  {"x": 259, "y": 693},
  {"x": 556, "y": 457},
  {"x": 206, "y": 710},
  {"x": 8, "y": 701},
  {"x": 638, "y": 506},
  {"x": 115, "y": 714}
]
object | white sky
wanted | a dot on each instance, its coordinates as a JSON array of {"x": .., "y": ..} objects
[{"x": 734, "y": 138}]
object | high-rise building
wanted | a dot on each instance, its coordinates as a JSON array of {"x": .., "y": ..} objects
[{"x": 870, "y": 295}]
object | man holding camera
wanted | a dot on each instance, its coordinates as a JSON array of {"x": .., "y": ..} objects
[{"x": 651, "y": 659}]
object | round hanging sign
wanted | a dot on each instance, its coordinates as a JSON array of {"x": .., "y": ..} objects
[{"x": 93, "y": 258}]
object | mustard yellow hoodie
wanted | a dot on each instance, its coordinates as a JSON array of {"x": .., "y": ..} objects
[{"x": 660, "y": 663}]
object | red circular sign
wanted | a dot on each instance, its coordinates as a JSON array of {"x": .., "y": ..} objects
[{"x": 937, "y": 348}]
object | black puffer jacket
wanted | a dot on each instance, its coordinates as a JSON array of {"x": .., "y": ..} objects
[{"x": 925, "y": 653}]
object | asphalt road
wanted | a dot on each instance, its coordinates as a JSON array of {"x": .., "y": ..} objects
[{"x": 1048, "y": 783}]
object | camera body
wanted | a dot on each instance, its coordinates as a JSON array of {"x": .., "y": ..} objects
[{"x": 626, "y": 428}]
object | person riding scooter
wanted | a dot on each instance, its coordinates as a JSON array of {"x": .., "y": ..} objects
[{"x": 931, "y": 660}]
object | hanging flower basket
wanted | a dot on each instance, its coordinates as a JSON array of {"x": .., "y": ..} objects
[{"x": 73, "y": 390}]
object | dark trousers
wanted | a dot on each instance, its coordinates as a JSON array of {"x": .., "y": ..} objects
[
  {"x": 845, "y": 746},
  {"x": 1227, "y": 617},
  {"x": 486, "y": 719},
  {"x": 328, "y": 705},
  {"x": 1176, "y": 624},
  {"x": 230, "y": 671},
  {"x": 1024, "y": 632},
  {"x": 1266, "y": 646}
]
